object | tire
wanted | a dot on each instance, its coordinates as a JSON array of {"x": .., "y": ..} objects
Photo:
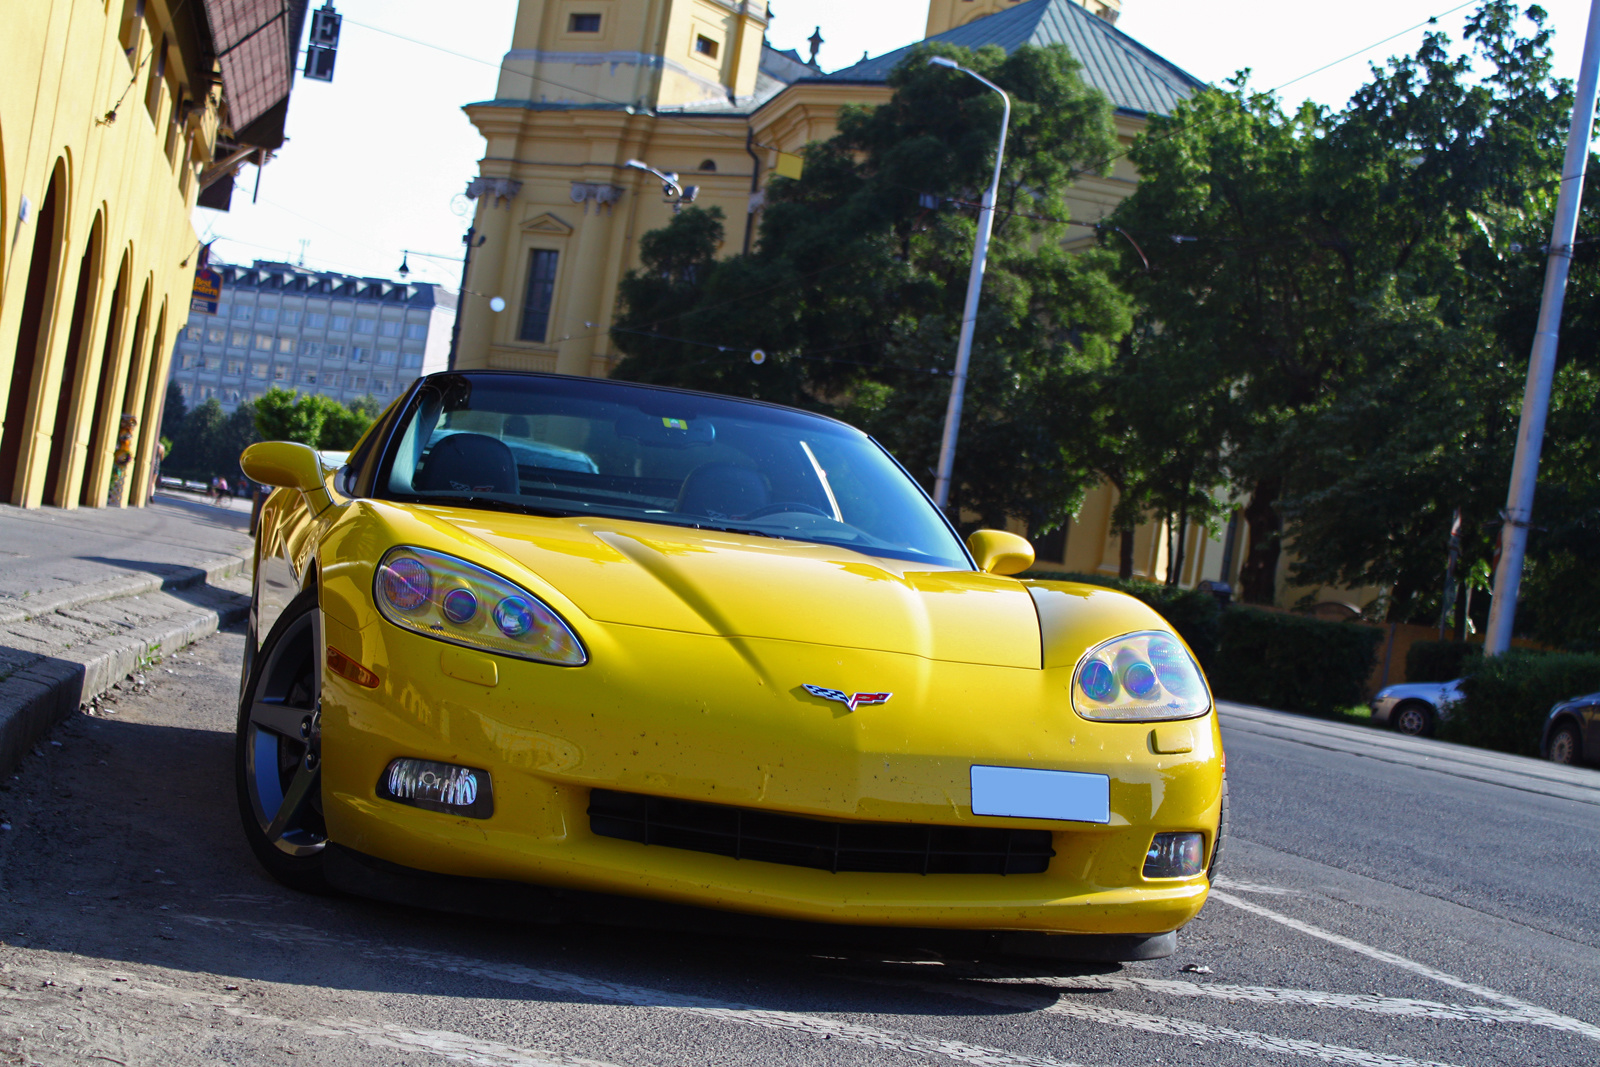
[
  {"x": 1566, "y": 745},
  {"x": 1222, "y": 834},
  {"x": 277, "y": 752},
  {"x": 1413, "y": 718}
]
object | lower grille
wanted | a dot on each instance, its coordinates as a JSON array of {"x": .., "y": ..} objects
[{"x": 885, "y": 848}]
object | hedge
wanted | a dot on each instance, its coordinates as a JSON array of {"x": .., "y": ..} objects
[
  {"x": 1506, "y": 698},
  {"x": 1440, "y": 661},
  {"x": 1293, "y": 663},
  {"x": 1195, "y": 615}
]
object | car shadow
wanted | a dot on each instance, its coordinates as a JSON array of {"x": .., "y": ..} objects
[{"x": 125, "y": 846}]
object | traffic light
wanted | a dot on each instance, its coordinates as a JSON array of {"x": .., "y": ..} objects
[{"x": 322, "y": 43}]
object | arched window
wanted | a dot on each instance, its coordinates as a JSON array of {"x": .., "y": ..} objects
[{"x": 708, "y": 165}]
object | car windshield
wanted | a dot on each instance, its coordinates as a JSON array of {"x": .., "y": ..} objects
[{"x": 573, "y": 446}]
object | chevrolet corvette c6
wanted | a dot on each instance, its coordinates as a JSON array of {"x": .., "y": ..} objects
[{"x": 610, "y": 641}]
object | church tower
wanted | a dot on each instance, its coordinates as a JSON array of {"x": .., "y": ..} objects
[
  {"x": 651, "y": 54},
  {"x": 586, "y": 87},
  {"x": 948, "y": 14}
]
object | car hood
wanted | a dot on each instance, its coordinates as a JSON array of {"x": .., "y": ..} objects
[{"x": 734, "y": 585}]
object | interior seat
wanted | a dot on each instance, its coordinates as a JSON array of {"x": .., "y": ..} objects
[
  {"x": 722, "y": 491},
  {"x": 469, "y": 463}
]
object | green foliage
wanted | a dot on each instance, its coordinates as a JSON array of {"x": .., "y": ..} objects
[
  {"x": 343, "y": 426},
  {"x": 1293, "y": 663},
  {"x": 1506, "y": 698},
  {"x": 856, "y": 290},
  {"x": 1441, "y": 661},
  {"x": 207, "y": 442},
  {"x": 285, "y": 415},
  {"x": 1349, "y": 293},
  {"x": 174, "y": 411},
  {"x": 1560, "y": 602},
  {"x": 1196, "y": 616}
]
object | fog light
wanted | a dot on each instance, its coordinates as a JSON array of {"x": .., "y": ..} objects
[
  {"x": 442, "y": 787},
  {"x": 1175, "y": 856}
]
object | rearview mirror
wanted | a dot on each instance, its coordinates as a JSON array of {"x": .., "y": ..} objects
[
  {"x": 283, "y": 463},
  {"x": 999, "y": 552}
]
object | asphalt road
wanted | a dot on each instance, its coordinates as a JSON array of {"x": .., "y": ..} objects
[{"x": 1384, "y": 903}]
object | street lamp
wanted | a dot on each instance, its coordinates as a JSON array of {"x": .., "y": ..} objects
[
  {"x": 684, "y": 194},
  {"x": 969, "y": 316}
]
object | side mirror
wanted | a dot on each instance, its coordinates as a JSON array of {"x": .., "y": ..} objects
[
  {"x": 999, "y": 552},
  {"x": 283, "y": 463}
]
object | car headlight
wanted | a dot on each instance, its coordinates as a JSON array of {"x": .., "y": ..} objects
[
  {"x": 1142, "y": 677},
  {"x": 452, "y": 600}
]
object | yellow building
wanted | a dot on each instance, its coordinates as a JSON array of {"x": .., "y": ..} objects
[
  {"x": 691, "y": 87},
  {"x": 110, "y": 116}
]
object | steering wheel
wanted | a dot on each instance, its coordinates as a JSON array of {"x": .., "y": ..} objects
[{"x": 786, "y": 505}]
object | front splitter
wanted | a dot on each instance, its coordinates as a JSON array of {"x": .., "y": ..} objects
[{"x": 363, "y": 875}]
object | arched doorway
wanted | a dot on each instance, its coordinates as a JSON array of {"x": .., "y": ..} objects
[
  {"x": 122, "y": 457},
  {"x": 149, "y": 430},
  {"x": 103, "y": 430},
  {"x": 32, "y": 335},
  {"x": 58, "y": 489}
]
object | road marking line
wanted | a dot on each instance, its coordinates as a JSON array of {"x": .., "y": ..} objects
[
  {"x": 1159, "y": 1024},
  {"x": 445, "y": 1044},
  {"x": 643, "y": 996},
  {"x": 1532, "y": 1013},
  {"x": 1371, "y": 1003},
  {"x": 1252, "y": 887}
]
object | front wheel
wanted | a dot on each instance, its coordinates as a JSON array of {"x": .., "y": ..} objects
[
  {"x": 1565, "y": 745},
  {"x": 278, "y": 753},
  {"x": 1414, "y": 718}
]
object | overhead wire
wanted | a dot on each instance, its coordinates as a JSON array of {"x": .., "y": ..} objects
[
  {"x": 674, "y": 116},
  {"x": 686, "y": 120}
]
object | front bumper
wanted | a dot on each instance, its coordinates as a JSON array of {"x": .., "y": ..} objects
[
  {"x": 369, "y": 876},
  {"x": 709, "y": 719}
]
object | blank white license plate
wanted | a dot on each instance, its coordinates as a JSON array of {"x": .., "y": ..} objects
[{"x": 1027, "y": 793}]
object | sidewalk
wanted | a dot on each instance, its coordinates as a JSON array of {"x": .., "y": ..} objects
[{"x": 88, "y": 597}]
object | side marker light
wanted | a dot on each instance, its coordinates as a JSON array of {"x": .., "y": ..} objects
[{"x": 345, "y": 667}]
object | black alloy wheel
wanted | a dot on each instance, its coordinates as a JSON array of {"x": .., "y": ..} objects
[
  {"x": 278, "y": 750},
  {"x": 1415, "y": 718},
  {"x": 1565, "y": 745}
]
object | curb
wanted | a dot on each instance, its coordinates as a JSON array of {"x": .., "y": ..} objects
[
  {"x": 40, "y": 695},
  {"x": 178, "y": 576}
]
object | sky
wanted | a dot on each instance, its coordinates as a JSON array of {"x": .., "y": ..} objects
[{"x": 377, "y": 159}]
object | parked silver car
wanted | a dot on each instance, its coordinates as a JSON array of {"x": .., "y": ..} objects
[
  {"x": 1416, "y": 707},
  {"x": 1572, "y": 731}
]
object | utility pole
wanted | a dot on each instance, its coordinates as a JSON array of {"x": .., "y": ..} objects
[
  {"x": 1542, "y": 361},
  {"x": 969, "y": 316}
]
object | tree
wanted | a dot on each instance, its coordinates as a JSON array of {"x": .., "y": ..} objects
[
  {"x": 856, "y": 290},
  {"x": 1342, "y": 279},
  {"x": 174, "y": 411},
  {"x": 344, "y": 426},
  {"x": 285, "y": 415}
]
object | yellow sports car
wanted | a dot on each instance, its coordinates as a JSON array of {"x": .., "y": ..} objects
[{"x": 584, "y": 645}]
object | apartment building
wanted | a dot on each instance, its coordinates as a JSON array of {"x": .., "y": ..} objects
[{"x": 320, "y": 332}]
